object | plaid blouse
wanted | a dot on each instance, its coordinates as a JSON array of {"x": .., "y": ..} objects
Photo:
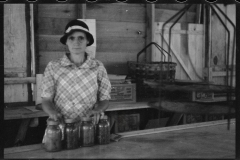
[{"x": 74, "y": 89}]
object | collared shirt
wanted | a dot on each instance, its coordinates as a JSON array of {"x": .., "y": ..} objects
[{"x": 75, "y": 90}]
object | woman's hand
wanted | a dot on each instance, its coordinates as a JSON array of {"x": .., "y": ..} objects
[
  {"x": 56, "y": 116},
  {"x": 48, "y": 107},
  {"x": 96, "y": 115}
]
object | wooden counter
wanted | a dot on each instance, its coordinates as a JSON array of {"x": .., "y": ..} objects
[
  {"x": 200, "y": 140},
  {"x": 31, "y": 112}
]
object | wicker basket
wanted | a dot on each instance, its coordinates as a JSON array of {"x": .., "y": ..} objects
[
  {"x": 164, "y": 71},
  {"x": 161, "y": 72}
]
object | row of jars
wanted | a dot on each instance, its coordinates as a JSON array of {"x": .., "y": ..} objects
[{"x": 75, "y": 134}]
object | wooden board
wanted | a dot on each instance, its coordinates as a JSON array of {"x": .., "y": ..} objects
[
  {"x": 46, "y": 57},
  {"x": 177, "y": 54},
  {"x": 195, "y": 51},
  {"x": 15, "y": 51},
  {"x": 52, "y": 26},
  {"x": 120, "y": 29},
  {"x": 190, "y": 141},
  {"x": 186, "y": 49},
  {"x": 31, "y": 112},
  {"x": 175, "y": 7},
  {"x": 218, "y": 39},
  {"x": 58, "y": 10},
  {"x": 114, "y": 12},
  {"x": 162, "y": 15}
]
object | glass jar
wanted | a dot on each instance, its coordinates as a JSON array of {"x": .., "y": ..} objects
[
  {"x": 71, "y": 131},
  {"x": 103, "y": 131},
  {"x": 53, "y": 136},
  {"x": 86, "y": 132}
]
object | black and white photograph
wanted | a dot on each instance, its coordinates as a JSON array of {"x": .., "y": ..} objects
[{"x": 111, "y": 79}]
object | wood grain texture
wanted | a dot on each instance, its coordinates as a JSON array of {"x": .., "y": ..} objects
[
  {"x": 38, "y": 89},
  {"x": 195, "y": 51},
  {"x": 15, "y": 49},
  {"x": 187, "y": 49},
  {"x": 175, "y": 7},
  {"x": 46, "y": 57},
  {"x": 116, "y": 62},
  {"x": 176, "y": 50},
  {"x": 19, "y": 80},
  {"x": 207, "y": 140},
  {"x": 118, "y": 44},
  {"x": 120, "y": 29},
  {"x": 218, "y": 39},
  {"x": 58, "y": 10},
  {"x": 162, "y": 15},
  {"x": 52, "y": 25},
  {"x": 114, "y": 12}
]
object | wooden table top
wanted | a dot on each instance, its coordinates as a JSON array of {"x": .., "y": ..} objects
[
  {"x": 31, "y": 112},
  {"x": 202, "y": 140}
]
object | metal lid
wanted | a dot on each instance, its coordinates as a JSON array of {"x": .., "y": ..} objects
[
  {"x": 70, "y": 120},
  {"x": 51, "y": 121},
  {"x": 86, "y": 119}
]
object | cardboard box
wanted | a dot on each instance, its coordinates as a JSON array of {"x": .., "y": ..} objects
[{"x": 123, "y": 93}]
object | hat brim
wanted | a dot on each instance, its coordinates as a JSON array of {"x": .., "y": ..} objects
[{"x": 63, "y": 39}]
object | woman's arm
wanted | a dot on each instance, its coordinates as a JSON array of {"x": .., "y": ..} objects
[
  {"x": 98, "y": 110},
  {"x": 48, "y": 107}
]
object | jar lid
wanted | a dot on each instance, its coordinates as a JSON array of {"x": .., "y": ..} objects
[
  {"x": 86, "y": 119},
  {"x": 51, "y": 121},
  {"x": 104, "y": 117},
  {"x": 70, "y": 120}
]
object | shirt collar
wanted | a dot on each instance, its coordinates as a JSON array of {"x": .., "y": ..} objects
[{"x": 89, "y": 63}]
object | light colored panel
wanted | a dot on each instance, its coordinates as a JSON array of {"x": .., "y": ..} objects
[
  {"x": 91, "y": 50},
  {"x": 195, "y": 51},
  {"x": 218, "y": 39},
  {"x": 182, "y": 71},
  {"x": 15, "y": 50},
  {"x": 38, "y": 89}
]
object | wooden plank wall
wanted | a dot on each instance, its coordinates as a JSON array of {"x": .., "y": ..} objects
[
  {"x": 15, "y": 51},
  {"x": 187, "y": 53},
  {"x": 121, "y": 33},
  {"x": 180, "y": 40},
  {"x": 52, "y": 19},
  {"x": 219, "y": 43}
]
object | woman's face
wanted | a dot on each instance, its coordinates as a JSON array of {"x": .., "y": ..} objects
[{"x": 77, "y": 42}]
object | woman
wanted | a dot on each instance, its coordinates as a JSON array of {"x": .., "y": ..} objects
[{"x": 75, "y": 83}]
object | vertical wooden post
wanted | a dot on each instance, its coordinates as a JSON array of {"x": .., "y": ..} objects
[
  {"x": 237, "y": 84},
  {"x": 29, "y": 57},
  {"x": 150, "y": 54},
  {"x": 81, "y": 11}
]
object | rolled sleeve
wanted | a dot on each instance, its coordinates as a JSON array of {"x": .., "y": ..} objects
[
  {"x": 104, "y": 84},
  {"x": 48, "y": 83}
]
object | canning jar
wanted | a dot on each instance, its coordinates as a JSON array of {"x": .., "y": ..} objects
[
  {"x": 103, "y": 131},
  {"x": 71, "y": 131},
  {"x": 86, "y": 132},
  {"x": 53, "y": 136}
]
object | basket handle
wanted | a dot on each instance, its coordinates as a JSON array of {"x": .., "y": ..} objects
[{"x": 159, "y": 48}]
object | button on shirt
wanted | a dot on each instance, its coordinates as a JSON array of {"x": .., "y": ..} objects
[{"x": 75, "y": 90}]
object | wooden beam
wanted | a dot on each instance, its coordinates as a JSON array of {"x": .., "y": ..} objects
[
  {"x": 20, "y": 80},
  {"x": 173, "y": 128},
  {"x": 81, "y": 11},
  {"x": 150, "y": 30}
]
